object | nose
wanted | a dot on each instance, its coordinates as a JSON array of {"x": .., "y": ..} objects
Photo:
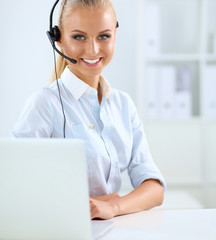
[{"x": 92, "y": 48}]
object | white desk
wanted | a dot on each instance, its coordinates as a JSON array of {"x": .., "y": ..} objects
[{"x": 199, "y": 224}]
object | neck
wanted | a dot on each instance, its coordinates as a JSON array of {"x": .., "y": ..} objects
[
  {"x": 92, "y": 81},
  {"x": 99, "y": 93}
]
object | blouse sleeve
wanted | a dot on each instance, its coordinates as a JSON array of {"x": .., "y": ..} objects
[
  {"x": 141, "y": 166},
  {"x": 36, "y": 118}
]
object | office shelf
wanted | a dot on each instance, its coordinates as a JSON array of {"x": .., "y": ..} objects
[
  {"x": 185, "y": 37},
  {"x": 175, "y": 58}
]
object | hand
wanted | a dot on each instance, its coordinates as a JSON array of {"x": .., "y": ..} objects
[
  {"x": 103, "y": 206},
  {"x": 103, "y": 209}
]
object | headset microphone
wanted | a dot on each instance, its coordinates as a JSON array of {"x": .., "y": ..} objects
[{"x": 54, "y": 35}]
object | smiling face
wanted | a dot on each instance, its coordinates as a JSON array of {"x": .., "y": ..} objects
[{"x": 88, "y": 36}]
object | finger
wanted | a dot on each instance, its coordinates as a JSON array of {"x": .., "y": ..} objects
[{"x": 94, "y": 213}]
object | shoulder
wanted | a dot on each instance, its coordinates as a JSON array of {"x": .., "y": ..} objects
[
  {"x": 122, "y": 99},
  {"x": 43, "y": 95},
  {"x": 42, "y": 101},
  {"x": 118, "y": 95}
]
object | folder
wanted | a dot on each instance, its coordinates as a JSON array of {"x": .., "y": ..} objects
[
  {"x": 152, "y": 29},
  {"x": 209, "y": 92},
  {"x": 152, "y": 92},
  {"x": 183, "y": 94},
  {"x": 167, "y": 84},
  {"x": 183, "y": 105},
  {"x": 214, "y": 43}
]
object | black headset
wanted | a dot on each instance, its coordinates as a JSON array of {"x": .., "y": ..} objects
[{"x": 54, "y": 35}]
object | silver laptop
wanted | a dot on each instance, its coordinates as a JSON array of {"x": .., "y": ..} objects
[{"x": 44, "y": 191}]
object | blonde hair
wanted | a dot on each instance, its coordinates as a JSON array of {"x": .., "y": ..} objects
[{"x": 65, "y": 9}]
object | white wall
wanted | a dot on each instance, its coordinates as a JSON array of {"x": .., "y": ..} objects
[{"x": 26, "y": 59}]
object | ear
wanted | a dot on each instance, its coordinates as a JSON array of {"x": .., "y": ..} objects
[
  {"x": 59, "y": 42},
  {"x": 115, "y": 31}
]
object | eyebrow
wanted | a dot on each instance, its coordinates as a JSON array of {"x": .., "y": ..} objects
[{"x": 78, "y": 31}]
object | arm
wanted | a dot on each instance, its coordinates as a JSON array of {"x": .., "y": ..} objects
[
  {"x": 149, "y": 194},
  {"x": 143, "y": 173},
  {"x": 36, "y": 118}
]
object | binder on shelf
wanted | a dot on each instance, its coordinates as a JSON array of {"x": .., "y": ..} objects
[
  {"x": 183, "y": 105},
  {"x": 183, "y": 95},
  {"x": 152, "y": 29},
  {"x": 209, "y": 92},
  {"x": 214, "y": 43},
  {"x": 152, "y": 92},
  {"x": 167, "y": 86}
]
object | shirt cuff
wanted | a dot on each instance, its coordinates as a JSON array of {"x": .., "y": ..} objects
[{"x": 142, "y": 172}]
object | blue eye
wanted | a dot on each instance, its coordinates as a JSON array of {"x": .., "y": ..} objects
[
  {"x": 78, "y": 37},
  {"x": 103, "y": 37}
]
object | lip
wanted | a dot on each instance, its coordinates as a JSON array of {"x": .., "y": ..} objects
[{"x": 92, "y": 64}]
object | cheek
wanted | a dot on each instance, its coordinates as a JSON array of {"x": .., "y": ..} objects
[
  {"x": 71, "y": 48},
  {"x": 110, "y": 49}
]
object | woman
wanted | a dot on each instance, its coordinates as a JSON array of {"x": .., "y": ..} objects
[{"x": 105, "y": 118}]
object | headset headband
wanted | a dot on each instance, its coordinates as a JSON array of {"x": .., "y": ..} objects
[{"x": 51, "y": 15}]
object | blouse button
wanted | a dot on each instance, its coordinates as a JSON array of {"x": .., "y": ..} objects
[{"x": 96, "y": 109}]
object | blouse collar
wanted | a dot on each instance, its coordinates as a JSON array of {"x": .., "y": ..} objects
[{"x": 77, "y": 87}]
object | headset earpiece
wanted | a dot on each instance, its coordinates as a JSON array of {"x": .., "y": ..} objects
[
  {"x": 117, "y": 24},
  {"x": 55, "y": 34}
]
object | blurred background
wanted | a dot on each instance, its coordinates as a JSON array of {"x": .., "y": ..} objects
[{"x": 165, "y": 58}]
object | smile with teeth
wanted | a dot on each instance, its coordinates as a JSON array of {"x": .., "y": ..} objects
[{"x": 91, "y": 61}]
